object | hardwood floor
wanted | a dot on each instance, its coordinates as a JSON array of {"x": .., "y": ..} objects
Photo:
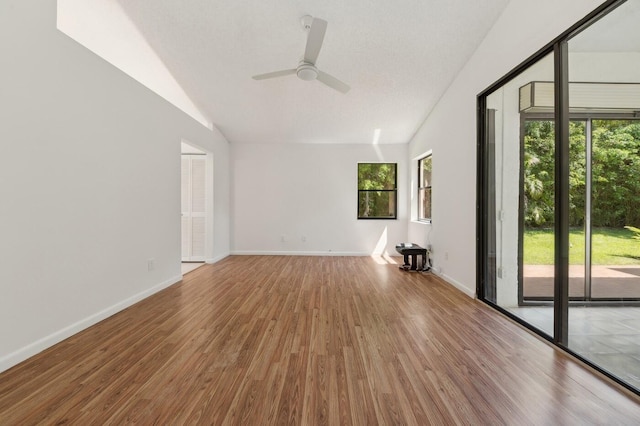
[{"x": 308, "y": 340}]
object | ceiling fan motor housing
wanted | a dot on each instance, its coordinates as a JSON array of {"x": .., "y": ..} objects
[
  {"x": 306, "y": 22},
  {"x": 306, "y": 69},
  {"x": 307, "y": 72}
]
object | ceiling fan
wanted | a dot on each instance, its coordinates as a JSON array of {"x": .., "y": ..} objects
[{"x": 306, "y": 69}]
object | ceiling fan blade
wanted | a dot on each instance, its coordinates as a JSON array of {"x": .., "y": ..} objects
[
  {"x": 332, "y": 82},
  {"x": 314, "y": 40},
  {"x": 274, "y": 74}
]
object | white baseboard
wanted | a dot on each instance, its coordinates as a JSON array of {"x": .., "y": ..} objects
[
  {"x": 217, "y": 258},
  {"x": 463, "y": 288},
  {"x": 298, "y": 253},
  {"x": 38, "y": 346}
]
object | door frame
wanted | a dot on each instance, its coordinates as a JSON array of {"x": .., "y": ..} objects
[
  {"x": 587, "y": 300},
  {"x": 209, "y": 197}
]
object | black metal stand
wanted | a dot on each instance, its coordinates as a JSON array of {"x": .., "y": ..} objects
[{"x": 414, "y": 251}]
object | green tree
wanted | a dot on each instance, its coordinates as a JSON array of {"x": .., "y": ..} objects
[
  {"x": 615, "y": 173},
  {"x": 538, "y": 172},
  {"x": 577, "y": 173}
]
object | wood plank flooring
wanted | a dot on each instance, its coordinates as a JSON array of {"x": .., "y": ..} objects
[{"x": 308, "y": 341}]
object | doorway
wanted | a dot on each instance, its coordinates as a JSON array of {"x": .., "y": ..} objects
[{"x": 194, "y": 202}]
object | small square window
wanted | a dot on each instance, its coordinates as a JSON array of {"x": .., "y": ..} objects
[{"x": 377, "y": 190}]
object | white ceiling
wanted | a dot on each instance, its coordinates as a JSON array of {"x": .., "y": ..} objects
[{"x": 398, "y": 57}]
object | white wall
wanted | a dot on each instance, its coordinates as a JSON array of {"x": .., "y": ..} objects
[
  {"x": 450, "y": 130},
  {"x": 104, "y": 28},
  {"x": 89, "y": 184},
  {"x": 310, "y": 190}
]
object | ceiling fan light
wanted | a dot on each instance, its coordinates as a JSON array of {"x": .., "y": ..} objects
[{"x": 307, "y": 73}]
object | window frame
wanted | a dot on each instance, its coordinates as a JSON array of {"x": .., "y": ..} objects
[
  {"x": 394, "y": 191},
  {"x": 420, "y": 216}
]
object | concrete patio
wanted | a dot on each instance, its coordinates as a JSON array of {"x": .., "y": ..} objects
[{"x": 607, "y": 281}]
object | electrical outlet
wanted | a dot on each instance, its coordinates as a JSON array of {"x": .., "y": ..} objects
[
  {"x": 303, "y": 238},
  {"x": 151, "y": 264},
  {"x": 283, "y": 238},
  {"x": 446, "y": 255},
  {"x": 500, "y": 272}
]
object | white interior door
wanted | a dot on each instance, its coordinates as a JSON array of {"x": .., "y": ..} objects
[{"x": 193, "y": 207}]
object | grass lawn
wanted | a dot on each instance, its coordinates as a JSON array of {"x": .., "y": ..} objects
[{"x": 611, "y": 246}]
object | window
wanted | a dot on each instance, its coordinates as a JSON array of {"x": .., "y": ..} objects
[
  {"x": 424, "y": 189},
  {"x": 377, "y": 191}
]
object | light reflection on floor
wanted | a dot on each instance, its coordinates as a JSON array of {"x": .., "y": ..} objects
[
  {"x": 190, "y": 266},
  {"x": 385, "y": 259}
]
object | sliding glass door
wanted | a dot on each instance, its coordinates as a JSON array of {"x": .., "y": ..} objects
[
  {"x": 615, "y": 210},
  {"x": 604, "y": 75},
  {"x": 559, "y": 192},
  {"x": 604, "y": 203},
  {"x": 520, "y": 206}
]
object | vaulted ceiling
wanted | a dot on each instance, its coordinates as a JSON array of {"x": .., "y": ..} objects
[{"x": 398, "y": 57}]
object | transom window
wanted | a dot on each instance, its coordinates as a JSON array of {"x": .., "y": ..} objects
[{"x": 377, "y": 190}]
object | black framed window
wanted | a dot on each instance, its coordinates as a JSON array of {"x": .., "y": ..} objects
[
  {"x": 377, "y": 190},
  {"x": 424, "y": 189}
]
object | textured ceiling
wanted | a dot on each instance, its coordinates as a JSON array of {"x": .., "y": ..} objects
[{"x": 398, "y": 57}]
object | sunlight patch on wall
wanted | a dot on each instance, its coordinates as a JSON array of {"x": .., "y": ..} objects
[
  {"x": 382, "y": 243},
  {"x": 375, "y": 142},
  {"x": 104, "y": 28}
]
